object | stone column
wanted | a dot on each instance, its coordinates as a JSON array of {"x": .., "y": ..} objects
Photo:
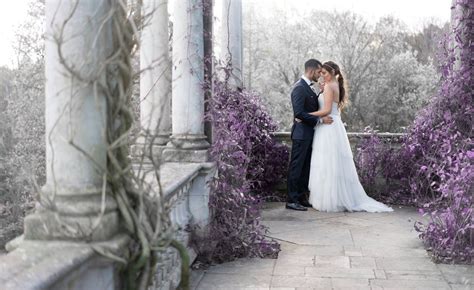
[
  {"x": 459, "y": 34},
  {"x": 231, "y": 40},
  {"x": 155, "y": 79},
  {"x": 72, "y": 203},
  {"x": 188, "y": 142}
]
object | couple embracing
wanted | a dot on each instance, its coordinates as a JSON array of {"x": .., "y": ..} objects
[{"x": 322, "y": 173}]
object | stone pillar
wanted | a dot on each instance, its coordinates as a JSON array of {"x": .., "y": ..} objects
[
  {"x": 155, "y": 79},
  {"x": 72, "y": 204},
  {"x": 209, "y": 63},
  {"x": 188, "y": 142},
  {"x": 231, "y": 40},
  {"x": 460, "y": 14}
]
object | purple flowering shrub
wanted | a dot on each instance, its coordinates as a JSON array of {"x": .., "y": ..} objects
[
  {"x": 434, "y": 166},
  {"x": 373, "y": 159},
  {"x": 249, "y": 163}
]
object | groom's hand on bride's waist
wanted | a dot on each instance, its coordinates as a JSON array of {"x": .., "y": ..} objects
[{"x": 325, "y": 120}]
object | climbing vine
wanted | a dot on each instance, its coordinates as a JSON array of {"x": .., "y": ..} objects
[{"x": 144, "y": 215}]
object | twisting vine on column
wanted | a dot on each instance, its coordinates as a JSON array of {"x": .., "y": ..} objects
[{"x": 142, "y": 208}]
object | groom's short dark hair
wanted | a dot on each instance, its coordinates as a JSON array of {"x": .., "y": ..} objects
[{"x": 311, "y": 64}]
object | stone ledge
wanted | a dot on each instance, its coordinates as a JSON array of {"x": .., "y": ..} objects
[
  {"x": 175, "y": 174},
  {"x": 48, "y": 264}
]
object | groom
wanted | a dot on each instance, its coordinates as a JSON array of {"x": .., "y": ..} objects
[{"x": 304, "y": 100}]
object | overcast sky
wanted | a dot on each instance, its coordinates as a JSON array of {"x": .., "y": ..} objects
[{"x": 413, "y": 12}]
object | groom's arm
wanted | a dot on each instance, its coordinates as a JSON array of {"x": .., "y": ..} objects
[{"x": 297, "y": 100}]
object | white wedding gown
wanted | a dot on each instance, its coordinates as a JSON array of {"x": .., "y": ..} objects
[{"x": 333, "y": 183}]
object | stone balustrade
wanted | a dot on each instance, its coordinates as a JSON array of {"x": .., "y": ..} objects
[
  {"x": 73, "y": 265},
  {"x": 394, "y": 139}
]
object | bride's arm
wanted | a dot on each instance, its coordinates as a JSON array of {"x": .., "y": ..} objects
[{"x": 328, "y": 97}]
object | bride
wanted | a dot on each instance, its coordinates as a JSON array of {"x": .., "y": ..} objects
[{"x": 334, "y": 184}]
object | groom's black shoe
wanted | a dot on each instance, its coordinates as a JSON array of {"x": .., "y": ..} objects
[
  {"x": 295, "y": 206},
  {"x": 304, "y": 200},
  {"x": 306, "y": 203}
]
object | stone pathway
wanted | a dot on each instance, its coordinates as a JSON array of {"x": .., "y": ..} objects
[{"x": 339, "y": 251}]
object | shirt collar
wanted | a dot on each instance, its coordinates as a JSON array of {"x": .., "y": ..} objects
[{"x": 306, "y": 80}]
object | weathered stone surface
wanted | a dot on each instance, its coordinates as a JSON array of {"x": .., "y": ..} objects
[
  {"x": 303, "y": 250},
  {"x": 234, "y": 281},
  {"x": 60, "y": 265},
  {"x": 461, "y": 286},
  {"x": 362, "y": 262},
  {"x": 332, "y": 261},
  {"x": 292, "y": 281},
  {"x": 365, "y": 262},
  {"x": 245, "y": 266},
  {"x": 408, "y": 263},
  {"x": 288, "y": 270},
  {"x": 352, "y": 251},
  {"x": 413, "y": 274},
  {"x": 185, "y": 155},
  {"x": 348, "y": 283},
  {"x": 393, "y": 252},
  {"x": 52, "y": 226},
  {"x": 155, "y": 76},
  {"x": 295, "y": 260},
  {"x": 337, "y": 272},
  {"x": 408, "y": 284},
  {"x": 458, "y": 274},
  {"x": 380, "y": 274}
]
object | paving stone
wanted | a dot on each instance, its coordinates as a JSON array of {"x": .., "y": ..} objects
[
  {"x": 380, "y": 274},
  {"x": 293, "y": 281},
  {"x": 353, "y": 251},
  {"x": 295, "y": 260},
  {"x": 405, "y": 264},
  {"x": 293, "y": 249},
  {"x": 195, "y": 278},
  {"x": 350, "y": 251},
  {"x": 328, "y": 236},
  {"x": 458, "y": 274},
  {"x": 347, "y": 283},
  {"x": 288, "y": 270},
  {"x": 393, "y": 252},
  {"x": 461, "y": 286},
  {"x": 362, "y": 262},
  {"x": 384, "y": 236},
  {"x": 243, "y": 266},
  {"x": 408, "y": 284},
  {"x": 339, "y": 272},
  {"x": 414, "y": 275},
  {"x": 212, "y": 281},
  {"x": 332, "y": 261}
]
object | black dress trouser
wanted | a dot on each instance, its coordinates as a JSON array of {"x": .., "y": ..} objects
[{"x": 298, "y": 171}]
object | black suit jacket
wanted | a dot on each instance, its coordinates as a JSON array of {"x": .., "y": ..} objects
[{"x": 304, "y": 101}]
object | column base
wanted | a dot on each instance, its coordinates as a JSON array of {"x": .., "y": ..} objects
[
  {"x": 187, "y": 148},
  {"x": 50, "y": 225},
  {"x": 140, "y": 151},
  {"x": 73, "y": 217}
]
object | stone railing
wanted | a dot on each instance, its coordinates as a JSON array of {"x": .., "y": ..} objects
[
  {"x": 393, "y": 139},
  {"x": 72, "y": 265},
  {"x": 187, "y": 196},
  {"x": 355, "y": 138}
]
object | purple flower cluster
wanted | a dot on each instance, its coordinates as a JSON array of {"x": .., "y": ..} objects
[
  {"x": 434, "y": 167},
  {"x": 249, "y": 164}
]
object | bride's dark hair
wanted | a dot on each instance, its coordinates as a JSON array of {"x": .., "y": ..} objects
[{"x": 334, "y": 69}]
